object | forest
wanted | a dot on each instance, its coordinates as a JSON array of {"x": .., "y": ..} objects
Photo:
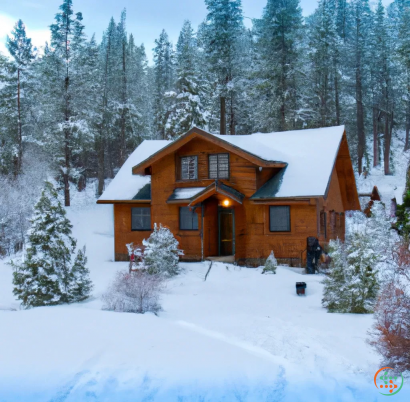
[{"x": 75, "y": 109}]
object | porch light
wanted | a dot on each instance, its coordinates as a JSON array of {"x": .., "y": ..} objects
[{"x": 226, "y": 203}]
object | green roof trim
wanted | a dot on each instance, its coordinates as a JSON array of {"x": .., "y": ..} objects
[
  {"x": 271, "y": 187},
  {"x": 144, "y": 193}
]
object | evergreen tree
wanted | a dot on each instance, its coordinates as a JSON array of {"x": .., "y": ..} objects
[
  {"x": 222, "y": 34},
  {"x": 324, "y": 45},
  {"x": 185, "y": 109},
  {"x": 21, "y": 50},
  {"x": 352, "y": 284},
  {"x": 161, "y": 254},
  {"x": 163, "y": 81},
  {"x": 278, "y": 35},
  {"x": 271, "y": 264},
  {"x": 47, "y": 275}
]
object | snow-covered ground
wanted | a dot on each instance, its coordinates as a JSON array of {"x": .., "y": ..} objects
[{"x": 239, "y": 336}]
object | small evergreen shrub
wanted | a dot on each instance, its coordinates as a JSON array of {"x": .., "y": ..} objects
[
  {"x": 161, "y": 254},
  {"x": 351, "y": 285},
  {"x": 134, "y": 292},
  {"x": 271, "y": 264},
  {"x": 49, "y": 273}
]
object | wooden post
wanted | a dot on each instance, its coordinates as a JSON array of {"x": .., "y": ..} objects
[{"x": 223, "y": 119}]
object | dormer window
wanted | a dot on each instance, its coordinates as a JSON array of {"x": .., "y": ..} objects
[
  {"x": 219, "y": 166},
  {"x": 189, "y": 168}
]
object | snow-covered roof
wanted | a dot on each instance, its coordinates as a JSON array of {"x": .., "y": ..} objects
[
  {"x": 125, "y": 185},
  {"x": 186, "y": 193},
  {"x": 310, "y": 155}
]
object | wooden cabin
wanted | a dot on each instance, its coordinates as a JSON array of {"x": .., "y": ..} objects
[{"x": 236, "y": 196}]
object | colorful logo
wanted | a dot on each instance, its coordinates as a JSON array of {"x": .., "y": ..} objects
[{"x": 388, "y": 383}]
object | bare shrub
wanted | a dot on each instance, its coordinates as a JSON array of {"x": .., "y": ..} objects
[
  {"x": 391, "y": 331},
  {"x": 134, "y": 292}
]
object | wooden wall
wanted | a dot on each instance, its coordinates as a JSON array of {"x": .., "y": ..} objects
[{"x": 252, "y": 236}]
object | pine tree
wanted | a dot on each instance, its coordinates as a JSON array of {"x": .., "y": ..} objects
[
  {"x": 47, "y": 275},
  {"x": 185, "y": 110},
  {"x": 81, "y": 283},
  {"x": 21, "y": 49},
  {"x": 222, "y": 33},
  {"x": 164, "y": 80},
  {"x": 271, "y": 264},
  {"x": 161, "y": 254},
  {"x": 278, "y": 40}
]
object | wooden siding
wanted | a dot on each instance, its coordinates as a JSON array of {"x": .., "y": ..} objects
[{"x": 253, "y": 239}]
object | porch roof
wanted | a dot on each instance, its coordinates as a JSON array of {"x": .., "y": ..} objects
[{"x": 195, "y": 195}]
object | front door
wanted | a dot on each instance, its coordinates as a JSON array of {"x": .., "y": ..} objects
[{"x": 226, "y": 219}]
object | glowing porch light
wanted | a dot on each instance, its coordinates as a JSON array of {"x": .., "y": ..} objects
[{"x": 226, "y": 203}]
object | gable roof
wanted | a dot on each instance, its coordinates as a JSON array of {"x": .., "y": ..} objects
[
  {"x": 307, "y": 157},
  {"x": 125, "y": 185},
  {"x": 310, "y": 156},
  {"x": 222, "y": 141}
]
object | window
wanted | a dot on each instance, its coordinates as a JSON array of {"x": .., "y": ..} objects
[
  {"x": 189, "y": 167},
  {"x": 188, "y": 219},
  {"x": 279, "y": 218},
  {"x": 219, "y": 166},
  {"x": 141, "y": 218}
]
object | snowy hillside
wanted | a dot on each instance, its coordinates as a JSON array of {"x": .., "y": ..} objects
[{"x": 239, "y": 336}]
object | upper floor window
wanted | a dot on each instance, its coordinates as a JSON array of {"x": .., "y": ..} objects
[
  {"x": 141, "y": 218},
  {"x": 219, "y": 166},
  {"x": 189, "y": 168},
  {"x": 279, "y": 218}
]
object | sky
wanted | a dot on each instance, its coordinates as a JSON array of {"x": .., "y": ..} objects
[{"x": 145, "y": 18}]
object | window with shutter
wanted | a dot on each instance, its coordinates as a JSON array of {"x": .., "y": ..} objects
[
  {"x": 188, "y": 219},
  {"x": 219, "y": 166},
  {"x": 189, "y": 168},
  {"x": 279, "y": 218},
  {"x": 141, "y": 218}
]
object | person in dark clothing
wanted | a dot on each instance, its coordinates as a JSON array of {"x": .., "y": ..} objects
[{"x": 314, "y": 251}]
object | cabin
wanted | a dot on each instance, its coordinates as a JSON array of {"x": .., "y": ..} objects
[{"x": 236, "y": 197}]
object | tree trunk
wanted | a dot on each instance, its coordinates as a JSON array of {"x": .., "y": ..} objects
[
  {"x": 232, "y": 118},
  {"x": 124, "y": 101},
  {"x": 20, "y": 137},
  {"x": 101, "y": 161},
  {"x": 406, "y": 144},
  {"x": 375, "y": 138},
  {"x": 387, "y": 142},
  {"x": 337, "y": 102},
  {"x": 361, "y": 143},
  {"x": 222, "y": 118}
]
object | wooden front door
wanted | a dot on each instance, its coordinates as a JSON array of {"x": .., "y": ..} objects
[{"x": 226, "y": 222}]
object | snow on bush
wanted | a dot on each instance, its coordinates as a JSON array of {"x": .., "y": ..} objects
[
  {"x": 161, "y": 254},
  {"x": 359, "y": 264},
  {"x": 271, "y": 264},
  {"x": 134, "y": 292},
  {"x": 49, "y": 274}
]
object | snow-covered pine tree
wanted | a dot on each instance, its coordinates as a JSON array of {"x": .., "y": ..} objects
[
  {"x": 161, "y": 254},
  {"x": 185, "y": 108},
  {"x": 163, "y": 81},
  {"x": 81, "y": 285},
  {"x": 21, "y": 50},
  {"x": 352, "y": 284},
  {"x": 271, "y": 264},
  {"x": 278, "y": 35},
  {"x": 323, "y": 53},
  {"x": 47, "y": 275},
  {"x": 222, "y": 34},
  {"x": 357, "y": 69}
]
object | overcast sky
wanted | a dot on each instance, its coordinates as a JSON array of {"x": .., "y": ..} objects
[{"x": 145, "y": 18}]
